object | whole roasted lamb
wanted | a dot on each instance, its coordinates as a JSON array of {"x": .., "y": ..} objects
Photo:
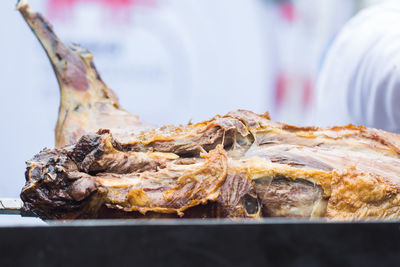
[{"x": 109, "y": 164}]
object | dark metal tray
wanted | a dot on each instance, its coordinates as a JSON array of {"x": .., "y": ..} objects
[{"x": 267, "y": 242}]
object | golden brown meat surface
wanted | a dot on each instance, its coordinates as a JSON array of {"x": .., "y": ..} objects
[
  {"x": 108, "y": 164},
  {"x": 237, "y": 165}
]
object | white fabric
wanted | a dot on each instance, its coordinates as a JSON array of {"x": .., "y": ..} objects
[{"x": 360, "y": 80}]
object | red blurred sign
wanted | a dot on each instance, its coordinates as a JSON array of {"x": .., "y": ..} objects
[
  {"x": 61, "y": 8},
  {"x": 288, "y": 11}
]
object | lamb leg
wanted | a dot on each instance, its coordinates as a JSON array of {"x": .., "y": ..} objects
[{"x": 87, "y": 103}]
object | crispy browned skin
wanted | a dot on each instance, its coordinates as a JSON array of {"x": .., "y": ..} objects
[
  {"x": 86, "y": 103},
  {"x": 237, "y": 165},
  {"x": 241, "y": 165}
]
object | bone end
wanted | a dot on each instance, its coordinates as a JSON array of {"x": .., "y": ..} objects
[{"x": 22, "y": 4}]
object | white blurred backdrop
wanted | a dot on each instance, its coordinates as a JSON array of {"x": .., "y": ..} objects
[{"x": 169, "y": 61}]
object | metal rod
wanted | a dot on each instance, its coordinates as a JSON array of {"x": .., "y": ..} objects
[{"x": 10, "y": 206}]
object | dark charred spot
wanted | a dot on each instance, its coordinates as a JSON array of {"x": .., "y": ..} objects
[
  {"x": 85, "y": 145},
  {"x": 58, "y": 56},
  {"x": 250, "y": 203},
  {"x": 77, "y": 108},
  {"x": 188, "y": 154}
]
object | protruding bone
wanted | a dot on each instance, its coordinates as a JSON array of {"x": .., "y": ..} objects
[{"x": 87, "y": 103}]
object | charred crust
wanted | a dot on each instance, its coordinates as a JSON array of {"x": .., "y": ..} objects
[
  {"x": 189, "y": 173},
  {"x": 85, "y": 145}
]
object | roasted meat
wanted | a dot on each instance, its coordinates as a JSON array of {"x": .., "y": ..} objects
[
  {"x": 237, "y": 165},
  {"x": 108, "y": 164},
  {"x": 87, "y": 103}
]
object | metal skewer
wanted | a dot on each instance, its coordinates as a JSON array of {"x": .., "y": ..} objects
[{"x": 10, "y": 206}]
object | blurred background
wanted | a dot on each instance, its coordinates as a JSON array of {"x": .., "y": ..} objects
[{"x": 169, "y": 61}]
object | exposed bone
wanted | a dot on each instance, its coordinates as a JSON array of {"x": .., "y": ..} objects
[{"x": 87, "y": 103}]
